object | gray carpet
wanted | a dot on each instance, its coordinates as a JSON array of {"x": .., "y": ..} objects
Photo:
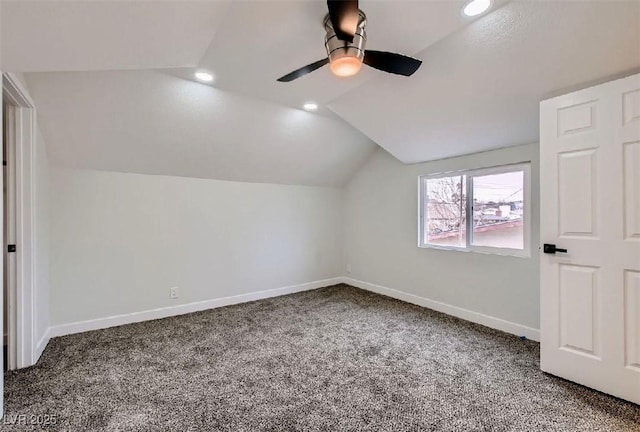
[{"x": 333, "y": 359}]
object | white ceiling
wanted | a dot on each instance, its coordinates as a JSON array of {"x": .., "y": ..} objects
[
  {"x": 105, "y": 35},
  {"x": 152, "y": 123},
  {"x": 260, "y": 42},
  {"x": 479, "y": 86}
]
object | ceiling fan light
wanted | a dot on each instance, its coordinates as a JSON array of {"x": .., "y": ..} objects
[{"x": 346, "y": 66}]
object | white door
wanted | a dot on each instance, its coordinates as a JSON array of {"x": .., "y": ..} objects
[{"x": 590, "y": 206}]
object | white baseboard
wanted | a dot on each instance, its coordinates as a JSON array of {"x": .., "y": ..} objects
[
  {"x": 465, "y": 314},
  {"x": 117, "y": 320},
  {"x": 41, "y": 345}
]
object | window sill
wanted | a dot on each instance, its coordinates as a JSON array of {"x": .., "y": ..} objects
[{"x": 505, "y": 252}]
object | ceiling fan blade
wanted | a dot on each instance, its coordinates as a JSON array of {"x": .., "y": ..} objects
[
  {"x": 303, "y": 70},
  {"x": 344, "y": 16},
  {"x": 391, "y": 62}
]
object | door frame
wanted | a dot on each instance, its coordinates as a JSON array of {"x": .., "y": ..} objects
[{"x": 25, "y": 346}]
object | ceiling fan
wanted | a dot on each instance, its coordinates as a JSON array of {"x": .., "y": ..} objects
[{"x": 345, "y": 43}]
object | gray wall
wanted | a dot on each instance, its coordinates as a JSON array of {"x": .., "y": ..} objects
[
  {"x": 381, "y": 232},
  {"x": 120, "y": 241},
  {"x": 42, "y": 235}
]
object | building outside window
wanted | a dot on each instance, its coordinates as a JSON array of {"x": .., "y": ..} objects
[{"x": 484, "y": 210}]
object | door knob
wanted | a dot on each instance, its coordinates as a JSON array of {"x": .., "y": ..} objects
[{"x": 551, "y": 249}]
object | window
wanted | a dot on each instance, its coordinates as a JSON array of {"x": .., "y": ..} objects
[{"x": 484, "y": 210}]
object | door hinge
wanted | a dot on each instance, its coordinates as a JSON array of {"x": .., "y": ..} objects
[
  {"x": 11, "y": 248},
  {"x": 4, "y": 163}
]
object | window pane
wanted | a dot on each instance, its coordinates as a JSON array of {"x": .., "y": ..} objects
[
  {"x": 498, "y": 209},
  {"x": 445, "y": 211}
]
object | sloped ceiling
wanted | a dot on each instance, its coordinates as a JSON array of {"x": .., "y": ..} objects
[
  {"x": 278, "y": 37},
  {"x": 152, "y": 123},
  {"x": 114, "y": 90},
  {"x": 105, "y": 35},
  {"x": 480, "y": 88}
]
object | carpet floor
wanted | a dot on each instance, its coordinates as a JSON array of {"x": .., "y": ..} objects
[{"x": 332, "y": 359}]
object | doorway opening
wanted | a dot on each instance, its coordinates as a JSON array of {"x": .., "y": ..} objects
[{"x": 18, "y": 143}]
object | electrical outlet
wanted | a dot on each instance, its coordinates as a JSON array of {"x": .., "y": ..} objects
[
  {"x": 349, "y": 268},
  {"x": 174, "y": 293}
]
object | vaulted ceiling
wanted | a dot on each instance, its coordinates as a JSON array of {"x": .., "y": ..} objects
[
  {"x": 480, "y": 88},
  {"x": 113, "y": 81},
  {"x": 152, "y": 123}
]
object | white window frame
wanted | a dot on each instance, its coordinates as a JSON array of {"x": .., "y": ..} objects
[{"x": 525, "y": 167}]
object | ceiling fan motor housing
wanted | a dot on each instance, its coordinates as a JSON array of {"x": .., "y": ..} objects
[{"x": 337, "y": 48}]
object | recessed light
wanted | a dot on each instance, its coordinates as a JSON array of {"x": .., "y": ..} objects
[
  {"x": 310, "y": 106},
  {"x": 476, "y": 7},
  {"x": 204, "y": 76}
]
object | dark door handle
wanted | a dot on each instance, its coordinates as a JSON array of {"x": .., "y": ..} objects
[{"x": 551, "y": 249}]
